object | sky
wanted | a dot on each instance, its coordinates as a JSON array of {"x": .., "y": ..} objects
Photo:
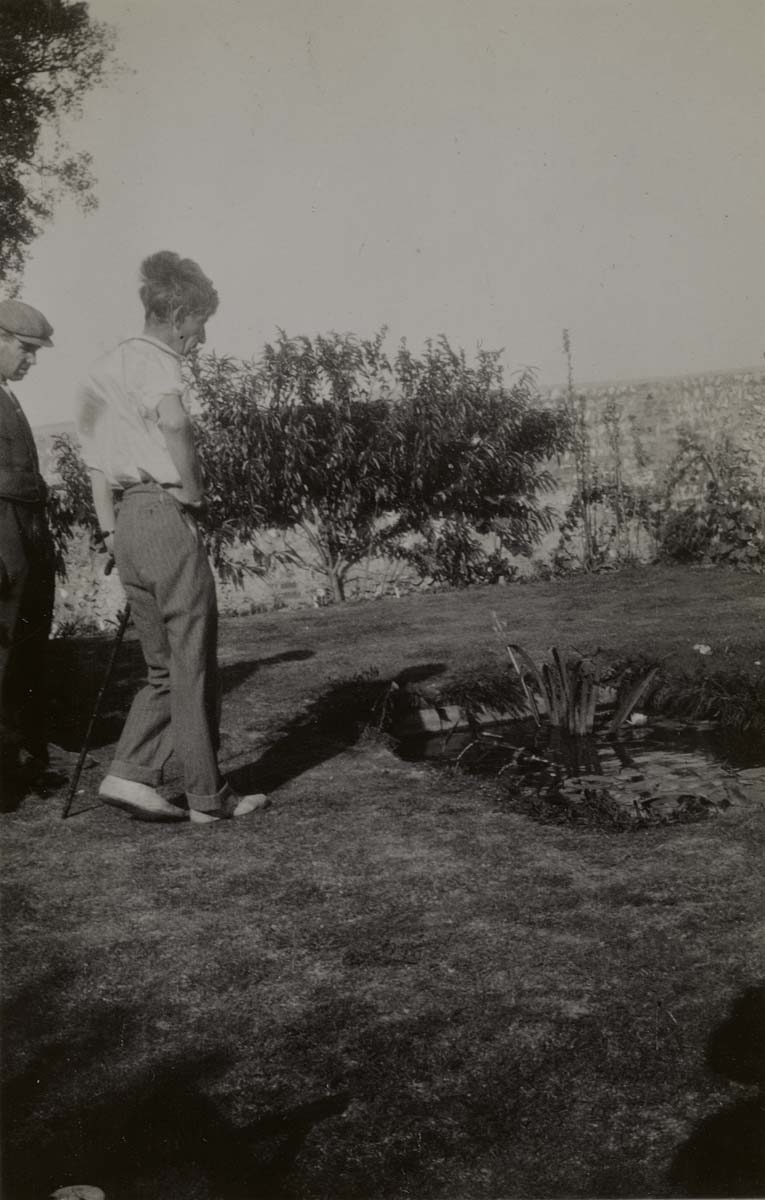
[{"x": 495, "y": 171}]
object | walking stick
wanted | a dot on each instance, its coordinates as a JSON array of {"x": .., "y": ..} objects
[{"x": 125, "y": 617}]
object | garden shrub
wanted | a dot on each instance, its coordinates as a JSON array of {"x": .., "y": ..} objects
[
  {"x": 715, "y": 508},
  {"x": 724, "y": 527},
  {"x": 733, "y": 699},
  {"x": 609, "y": 523},
  {"x": 70, "y": 501},
  {"x": 414, "y": 457},
  {"x": 451, "y": 554},
  {"x": 620, "y": 520}
]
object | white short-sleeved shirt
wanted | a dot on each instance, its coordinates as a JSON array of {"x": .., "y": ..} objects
[{"x": 117, "y": 412}]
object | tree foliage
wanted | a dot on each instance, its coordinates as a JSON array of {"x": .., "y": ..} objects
[
  {"x": 51, "y": 53},
  {"x": 365, "y": 455},
  {"x": 300, "y": 440},
  {"x": 70, "y": 501},
  {"x": 472, "y": 449},
  {"x": 351, "y": 454},
  {"x": 714, "y": 506}
]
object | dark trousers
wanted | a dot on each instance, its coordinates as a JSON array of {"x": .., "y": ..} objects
[
  {"x": 27, "y": 581},
  {"x": 166, "y": 575}
]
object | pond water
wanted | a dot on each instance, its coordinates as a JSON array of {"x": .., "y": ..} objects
[{"x": 660, "y": 772}]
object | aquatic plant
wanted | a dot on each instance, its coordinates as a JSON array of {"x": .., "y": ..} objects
[{"x": 568, "y": 689}]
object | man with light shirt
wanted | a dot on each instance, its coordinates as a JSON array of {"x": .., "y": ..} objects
[
  {"x": 138, "y": 443},
  {"x": 27, "y": 563}
]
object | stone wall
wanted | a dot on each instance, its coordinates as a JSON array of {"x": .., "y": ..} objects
[{"x": 652, "y": 411}]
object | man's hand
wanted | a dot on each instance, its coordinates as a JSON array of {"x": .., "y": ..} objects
[
  {"x": 193, "y": 501},
  {"x": 197, "y": 507},
  {"x": 108, "y": 544}
]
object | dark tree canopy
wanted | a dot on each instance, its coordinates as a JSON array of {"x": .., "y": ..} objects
[
  {"x": 361, "y": 454},
  {"x": 51, "y": 53},
  {"x": 300, "y": 440}
]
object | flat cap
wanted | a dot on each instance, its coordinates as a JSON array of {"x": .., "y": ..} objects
[{"x": 26, "y": 322}]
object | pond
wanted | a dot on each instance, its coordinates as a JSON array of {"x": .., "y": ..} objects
[{"x": 660, "y": 772}]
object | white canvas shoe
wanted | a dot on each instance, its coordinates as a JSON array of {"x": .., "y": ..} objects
[
  {"x": 140, "y": 800},
  {"x": 236, "y": 806}
]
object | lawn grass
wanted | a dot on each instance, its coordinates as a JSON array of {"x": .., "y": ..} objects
[{"x": 390, "y": 985}]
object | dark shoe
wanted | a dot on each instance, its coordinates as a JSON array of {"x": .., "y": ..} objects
[
  {"x": 39, "y": 775},
  {"x": 36, "y": 749},
  {"x": 13, "y": 789}
]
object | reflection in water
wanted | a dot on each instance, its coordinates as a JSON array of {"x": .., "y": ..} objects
[{"x": 657, "y": 774}]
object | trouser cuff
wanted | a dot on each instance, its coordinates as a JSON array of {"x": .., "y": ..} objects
[
  {"x": 212, "y": 805},
  {"x": 125, "y": 770}
]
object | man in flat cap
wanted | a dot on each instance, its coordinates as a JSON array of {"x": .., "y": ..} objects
[{"x": 27, "y": 562}]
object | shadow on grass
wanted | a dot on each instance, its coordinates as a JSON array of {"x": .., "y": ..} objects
[
  {"x": 76, "y": 672},
  {"x": 77, "y": 1112},
  {"x": 725, "y": 1155},
  {"x": 330, "y": 725},
  {"x": 124, "y": 1095},
  {"x": 92, "y": 1101},
  {"x": 234, "y": 674}
]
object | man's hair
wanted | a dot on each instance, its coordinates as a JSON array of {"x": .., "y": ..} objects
[{"x": 169, "y": 282}]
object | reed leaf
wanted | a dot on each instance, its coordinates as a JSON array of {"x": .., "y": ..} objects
[
  {"x": 577, "y": 708},
  {"x": 553, "y": 691},
  {"x": 519, "y": 656},
  {"x": 631, "y": 699},
  {"x": 563, "y": 672},
  {"x": 592, "y": 701}
]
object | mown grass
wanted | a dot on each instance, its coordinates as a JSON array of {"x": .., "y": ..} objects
[{"x": 390, "y": 985}]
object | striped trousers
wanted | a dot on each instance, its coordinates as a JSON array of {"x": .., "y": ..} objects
[{"x": 167, "y": 579}]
